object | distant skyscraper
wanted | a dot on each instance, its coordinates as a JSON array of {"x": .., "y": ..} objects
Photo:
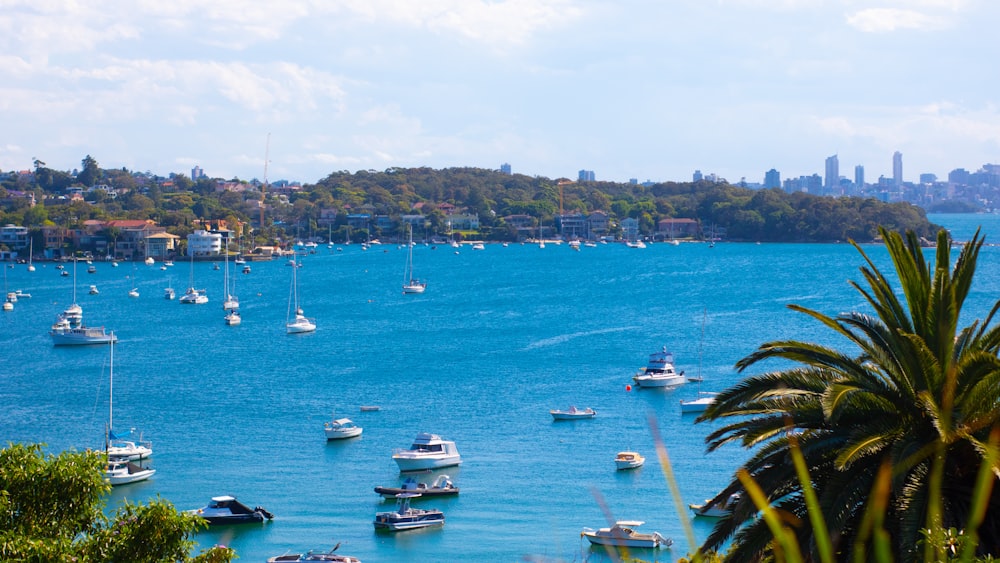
[
  {"x": 832, "y": 177},
  {"x": 197, "y": 172},
  {"x": 697, "y": 177},
  {"x": 897, "y": 168},
  {"x": 587, "y": 176},
  {"x": 505, "y": 168},
  {"x": 859, "y": 176},
  {"x": 772, "y": 179}
]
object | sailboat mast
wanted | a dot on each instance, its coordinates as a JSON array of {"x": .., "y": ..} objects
[{"x": 111, "y": 387}]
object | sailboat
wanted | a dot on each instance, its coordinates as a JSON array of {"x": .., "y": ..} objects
[
  {"x": 134, "y": 292},
  {"x": 193, "y": 296},
  {"x": 232, "y": 304},
  {"x": 168, "y": 293},
  {"x": 298, "y": 323},
  {"x": 231, "y": 301},
  {"x": 8, "y": 305},
  {"x": 31, "y": 250},
  {"x": 120, "y": 469},
  {"x": 705, "y": 399},
  {"x": 410, "y": 283}
]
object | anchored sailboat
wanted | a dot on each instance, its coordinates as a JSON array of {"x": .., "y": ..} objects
[{"x": 410, "y": 283}]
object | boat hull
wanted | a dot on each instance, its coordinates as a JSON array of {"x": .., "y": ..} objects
[
  {"x": 424, "y": 463},
  {"x": 396, "y": 524},
  {"x": 659, "y": 381},
  {"x": 615, "y": 541},
  {"x": 340, "y": 434},
  {"x": 82, "y": 337}
]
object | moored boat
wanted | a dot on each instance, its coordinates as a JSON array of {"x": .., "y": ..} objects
[
  {"x": 311, "y": 555},
  {"x": 340, "y": 428},
  {"x": 573, "y": 413},
  {"x": 407, "y": 518},
  {"x": 121, "y": 472},
  {"x": 659, "y": 371},
  {"x": 704, "y": 400},
  {"x": 227, "y": 510},
  {"x": 720, "y": 509},
  {"x": 629, "y": 460},
  {"x": 623, "y": 534},
  {"x": 442, "y": 486},
  {"x": 428, "y": 451}
]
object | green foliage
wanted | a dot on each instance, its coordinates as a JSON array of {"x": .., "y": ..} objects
[
  {"x": 51, "y": 509},
  {"x": 895, "y": 438}
]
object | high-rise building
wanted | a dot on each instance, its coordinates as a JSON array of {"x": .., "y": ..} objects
[
  {"x": 505, "y": 168},
  {"x": 859, "y": 176},
  {"x": 586, "y": 176},
  {"x": 197, "y": 173},
  {"x": 772, "y": 179},
  {"x": 832, "y": 177},
  {"x": 697, "y": 177},
  {"x": 897, "y": 168}
]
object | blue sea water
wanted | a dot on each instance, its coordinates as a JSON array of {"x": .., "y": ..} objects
[{"x": 500, "y": 337}]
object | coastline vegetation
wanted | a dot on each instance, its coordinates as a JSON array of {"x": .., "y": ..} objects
[{"x": 304, "y": 211}]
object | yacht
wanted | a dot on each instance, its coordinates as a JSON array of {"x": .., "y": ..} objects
[
  {"x": 121, "y": 449},
  {"x": 629, "y": 460},
  {"x": 227, "y": 510},
  {"x": 64, "y": 334},
  {"x": 194, "y": 297},
  {"x": 659, "y": 371},
  {"x": 622, "y": 534},
  {"x": 407, "y": 518},
  {"x": 233, "y": 317},
  {"x": 93, "y": 290},
  {"x": 341, "y": 428},
  {"x": 428, "y": 451},
  {"x": 121, "y": 472}
]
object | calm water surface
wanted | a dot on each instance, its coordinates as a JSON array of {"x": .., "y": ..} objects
[{"x": 500, "y": 337}]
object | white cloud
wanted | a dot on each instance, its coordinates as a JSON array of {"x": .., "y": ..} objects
[{"x": 876, "y": 20}]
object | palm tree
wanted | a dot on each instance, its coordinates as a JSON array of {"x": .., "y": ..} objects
[{"x": 918, "y": 396}]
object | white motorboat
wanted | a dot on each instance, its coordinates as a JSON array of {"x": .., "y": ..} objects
[
  {"x": 121, "y": 472},
  {"x": 623, "y": 534},
  {"x": 442, "y": 486},
  {"x": 410, "y": 283},
  {"x": 227, "y": 510},
  {"x": 629, "y": 460},
  {"x": 708, "y": 509},
  {"x": 134, "y": 292},
  {"x": 704, "y": 400},
  {"x": 428, "y": 451},
  {"x": 328, "y": 556},
  {"x": 297, "y": 323},
  {"x": 150, "y": 261},
  {"x": 341, "y": 428},
  {"x": 22, "y": 294},
  {"x": 168, "y": 292},
  {"x": 65, "y": 335},
  {"x": 93, "y": 290},
  {"x": 659, "y": 371},
  {"x": 478, "y": 246},
  {"x": 573, "y": 413},
  {"x": 407, "y": 518}
]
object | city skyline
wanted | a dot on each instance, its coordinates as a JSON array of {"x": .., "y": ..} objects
[{"x": 650, "y": 91}]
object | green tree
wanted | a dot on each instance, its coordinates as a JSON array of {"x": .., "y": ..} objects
[
  {"x": 51, "y": 509},
  {"x": 91, "y": 172},
  {"x": 918, "y": 395}
]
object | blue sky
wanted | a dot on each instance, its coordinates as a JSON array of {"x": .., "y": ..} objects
[{"x": 629, "y": 89}]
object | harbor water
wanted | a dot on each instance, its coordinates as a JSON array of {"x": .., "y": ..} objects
[{"x": 500, "y": 337}]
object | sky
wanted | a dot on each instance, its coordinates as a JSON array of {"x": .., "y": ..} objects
[{"x": 650, "y": 90}]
